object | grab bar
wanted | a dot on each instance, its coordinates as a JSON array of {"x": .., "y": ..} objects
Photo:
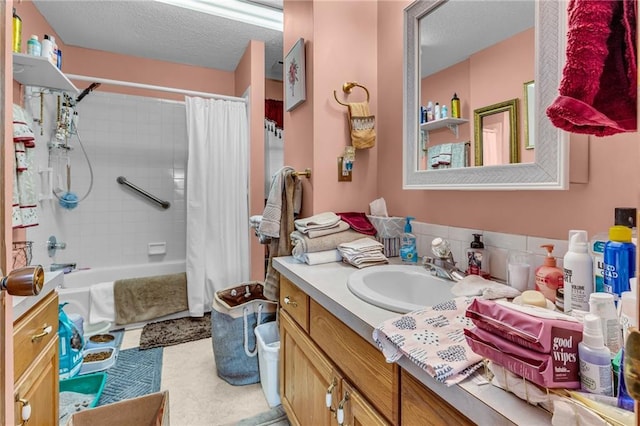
[{"x": 123, "y": 181}]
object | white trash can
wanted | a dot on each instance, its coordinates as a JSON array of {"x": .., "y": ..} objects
[{"x": 268, "y": 338}]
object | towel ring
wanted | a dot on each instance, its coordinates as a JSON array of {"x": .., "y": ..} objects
[{"x": 346, "y": 88}]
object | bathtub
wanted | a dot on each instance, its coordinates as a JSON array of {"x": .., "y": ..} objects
[{"x": 75, "y": 288}]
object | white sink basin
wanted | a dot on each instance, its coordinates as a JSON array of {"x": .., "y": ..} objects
[{"x": 399, "y": 288}]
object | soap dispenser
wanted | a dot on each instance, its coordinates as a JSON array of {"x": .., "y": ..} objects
[
  {"x": 408, "y": 251},
  {"x": 478, "y": 258},
  {"x": 549, "y": 278}
]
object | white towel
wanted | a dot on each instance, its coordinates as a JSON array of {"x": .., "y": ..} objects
[
  {"x": 254, "y": 221},
  {"x": 320, "y": 257},
  {"x": 318, "y": 221},
  {"x": 475, "y": 285},
  {"x": 363, "y": 252},
  {"x": 102, "y": 304}
]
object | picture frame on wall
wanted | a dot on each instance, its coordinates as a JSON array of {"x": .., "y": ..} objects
[{"x": 294, "y": 76}]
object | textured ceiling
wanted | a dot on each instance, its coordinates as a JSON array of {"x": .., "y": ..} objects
[{"x": 156, "y": 30}]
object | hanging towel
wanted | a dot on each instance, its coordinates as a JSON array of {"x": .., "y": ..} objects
[
  {"x": 281, "y": 244},
  {"x": 272, "y": 214},
  {"x": 458, "y": 155},
  {"x": 599, "y": 83},
  {"x": 433, "y": 338},
  {"x": 25, "y": 200},
  {"x": 362, "y": 124}
]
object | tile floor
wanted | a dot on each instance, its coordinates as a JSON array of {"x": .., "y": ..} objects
[{"x": 197, "y": 396}]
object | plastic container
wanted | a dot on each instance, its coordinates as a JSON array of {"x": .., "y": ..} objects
[
  {"x": 46, "y": 47},
  {"x": 90, "y": 384},
  {"x": 619, "y": 261},
  {"x": 408, "y": 250},
  {"x": 34, "y": 48},
  {"x": 268, "y": 338},
  {"x": 94, "y": 366},
  {"x": 595, "y": 362},
  {"x": 578, "y": 272},
  {"x": 478, "y": 258},
  {"x": 549, "y": 278},
  {"x": 602, "y": 306}
]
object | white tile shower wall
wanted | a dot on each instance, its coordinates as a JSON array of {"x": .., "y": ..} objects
[
  {"x": 143, "y": 139},
  {"x": 498, "y": 244}
]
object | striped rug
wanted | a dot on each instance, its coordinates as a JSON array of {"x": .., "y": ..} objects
[{"x": 135, "y": 373}]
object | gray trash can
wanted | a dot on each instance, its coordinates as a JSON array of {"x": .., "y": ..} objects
[
  {"x": 268, "y": 337},
  {"x": 235, "y": 313}
]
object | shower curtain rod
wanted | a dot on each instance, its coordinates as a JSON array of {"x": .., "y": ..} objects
[{"x": 152, "y": 87}]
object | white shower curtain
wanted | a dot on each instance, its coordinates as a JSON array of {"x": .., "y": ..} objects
[{"x": 217, "y": 199}]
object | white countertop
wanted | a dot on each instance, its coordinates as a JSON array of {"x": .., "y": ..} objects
[
  {"x": 483, "y": 404},
  {"x": 22, "y": 304}
]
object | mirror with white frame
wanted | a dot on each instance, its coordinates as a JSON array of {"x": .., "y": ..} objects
[{"x": 549, "y": 169}]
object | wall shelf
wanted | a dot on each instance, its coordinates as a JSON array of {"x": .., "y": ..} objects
[
  {"x": 450, "y": 123},
  {"x": 38, "y": 71}
]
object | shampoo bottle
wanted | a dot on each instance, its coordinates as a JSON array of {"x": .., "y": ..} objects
[
  {"x": 478, "y": 258},
  {"x": 408, "y": 251},
  {"x": 578, "y": 272},
  {"x": 549, "y": 278},
  {"x": 455, "y": 106},
  {"x": 619, "y": 261},
  {"x": 595, "y": 361}
]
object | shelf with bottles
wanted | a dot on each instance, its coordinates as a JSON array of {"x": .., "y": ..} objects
[{"x": 38, "y": 71}]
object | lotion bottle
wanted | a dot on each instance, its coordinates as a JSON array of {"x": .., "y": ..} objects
[
  {"x": 595, "y": 360},
  {"x": 478, "y": 258},
  {"x": 578, "y": 272},
  {"x": 549, "y": 278}
]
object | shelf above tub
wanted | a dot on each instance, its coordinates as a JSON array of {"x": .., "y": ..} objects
[{"x": 39, "y": 72}]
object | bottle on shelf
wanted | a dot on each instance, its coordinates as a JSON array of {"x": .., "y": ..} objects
[
  {"x": 47, "y": 47},
  {"x": 17, "y": 32},
  {"x": 443, "y": 112},
  {"x": 436, "y": 111},
  {"x": 34, "y": 47},
  {"x": 455, "y": 106},
  {"x": 430, "y": 111}
]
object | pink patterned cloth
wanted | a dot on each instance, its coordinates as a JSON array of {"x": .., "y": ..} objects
[{"x": 434, "y": 339}]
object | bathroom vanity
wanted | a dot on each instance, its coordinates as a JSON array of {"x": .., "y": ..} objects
[
  {"x": 328, "y": 354},
  {"x": 35, "y": 354}
]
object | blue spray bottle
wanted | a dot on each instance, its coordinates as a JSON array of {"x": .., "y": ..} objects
[{"x": 408, "y": 252}]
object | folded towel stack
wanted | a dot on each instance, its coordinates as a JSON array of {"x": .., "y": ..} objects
[
  {"x": 320, "y": 225},
  {"x": 363, "y": 252},
  {"x": 304, "y": 245}
]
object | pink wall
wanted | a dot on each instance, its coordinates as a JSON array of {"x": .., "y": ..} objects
[
  {"x": 250, "y": 75},
  {"x": 614, "y": 176},
  {"x": 317, "y": 131}
]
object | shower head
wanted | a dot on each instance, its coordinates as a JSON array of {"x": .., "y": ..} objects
[{"x": 86, "y": 91}]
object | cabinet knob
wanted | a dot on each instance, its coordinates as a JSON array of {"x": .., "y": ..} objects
[
  {"x": 25, "y": 412},
  {"x": 329, "y": 395},
  {"x": 45, "y": 330},
  {"x": 287, "y": 301},
  {"x": 340, "y": 413}
]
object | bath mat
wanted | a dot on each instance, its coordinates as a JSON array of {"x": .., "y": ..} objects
[
  {"x": 175, "y": 331},
  {"x": 135, "y": 373},
  {"x": 274, "y": 417}
]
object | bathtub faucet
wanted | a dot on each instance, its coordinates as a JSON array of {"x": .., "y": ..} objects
[{"x": 66, "y": 267}]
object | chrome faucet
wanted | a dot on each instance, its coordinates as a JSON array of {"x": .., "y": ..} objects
[
  {"x": 443, "y": 264},
  {"x": 66, "y": 267}
]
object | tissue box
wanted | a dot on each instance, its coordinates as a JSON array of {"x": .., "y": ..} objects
[
  {"x": 387, "y": 227},
  {"x": 558, "y": 369}
]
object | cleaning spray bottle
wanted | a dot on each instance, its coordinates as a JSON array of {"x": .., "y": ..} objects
[
  {"x": 549, "y": 278},
  {"x": 408, "y": 251}
]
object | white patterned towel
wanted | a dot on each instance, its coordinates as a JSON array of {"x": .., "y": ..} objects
[{"x": 434, "y": 339}]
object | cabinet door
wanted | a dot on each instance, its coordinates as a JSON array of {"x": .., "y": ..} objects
[
  {"x": 357, "y": 411},
  {"x": 305, "y": 377},
  {"x": 421, "y": 406},
  {"x": 39, "y": 386}
]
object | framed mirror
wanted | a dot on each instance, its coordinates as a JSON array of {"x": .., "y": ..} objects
[
  {"x": 549, "y": 168},
  {"x": 529, "y": 105},
  {"x": 496, "y": 134}
]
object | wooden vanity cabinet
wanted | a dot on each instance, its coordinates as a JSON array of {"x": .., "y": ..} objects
[
  {"x": 36, "y": 362},
  {"x": 320, "y": 354}
]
